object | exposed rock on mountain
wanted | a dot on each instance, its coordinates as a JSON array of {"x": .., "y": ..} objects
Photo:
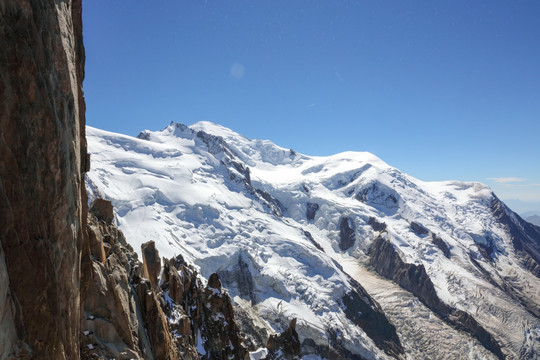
[
  {"x": 42, "y": 160},
  {"x": 279, "y": 236},
  {"x": 127, "y": 316},
  {"x": 346, "y": 233},
  {"x": 298, "y": 236},
  {"x": 525, "y": 236},
  {"x": 112, "y": 323},
  {"x": 70, "y": 285},
  {"x": 388, "y": 263},
  {"x": 311, "y": 210},
  {"x": 151, "y": 263},
  {"x": 284, "y": 346},
  {"x": 202, "y": 317}
]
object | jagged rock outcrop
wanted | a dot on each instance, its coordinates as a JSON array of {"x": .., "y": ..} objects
[
  {"x": 151, "y": 263},
  {"x": 122, "y": 316},
  {"x": 127, "y": 315},
  {"x": 376, "y": 225},
  {"x": 346, "y": 233},
  {"x": 203, "y": 316},
  {"x": 223, "y": 339},
  {"x": 418, "y": 229},
  {"x": 285, "y": 346},
  {"x": 411, "y": 277},
  {"x": 42, "y": 161},
  {"x": 103, "y": 210},
  {"x": 155, "y": 323},
  {"x": 311, "y": 210},
  {"x": 441, "y": 245}
]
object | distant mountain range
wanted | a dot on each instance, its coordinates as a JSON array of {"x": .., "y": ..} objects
[
  {"x": 372, "y": 262},
  {"x": 533, "y": 217}
]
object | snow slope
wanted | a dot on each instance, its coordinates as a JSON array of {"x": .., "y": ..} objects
[{"x": 286, "y": 231}]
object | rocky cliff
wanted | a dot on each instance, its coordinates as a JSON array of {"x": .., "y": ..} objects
[
  {"x": 154, "y": 309},
  {"x": 70, "y": 285},
  {"x": 386, "y": 261},
  {"x": 150, "y": 310},
  {"x": 42, "y": 160}
]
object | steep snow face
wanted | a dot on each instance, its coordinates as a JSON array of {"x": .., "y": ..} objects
[{"x": 283, "y": 230}]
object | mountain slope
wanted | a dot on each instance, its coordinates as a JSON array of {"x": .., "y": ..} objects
[{"x": 294, "y": 236}]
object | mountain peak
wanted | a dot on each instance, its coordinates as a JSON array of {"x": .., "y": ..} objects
[
  {"x": 297, "y": 234},
  {"x": 213, "y": 129}
]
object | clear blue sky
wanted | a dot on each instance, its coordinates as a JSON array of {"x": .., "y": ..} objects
[{"x": 439, "y": 89}]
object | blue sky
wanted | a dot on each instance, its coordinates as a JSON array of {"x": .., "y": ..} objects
[{"x": 439, "y": 89}]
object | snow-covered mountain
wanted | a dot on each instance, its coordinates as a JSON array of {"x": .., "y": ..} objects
[{"x": 372, "y": 262}]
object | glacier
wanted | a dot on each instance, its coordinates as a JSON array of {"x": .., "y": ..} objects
[{"x": 298, "y": 236}]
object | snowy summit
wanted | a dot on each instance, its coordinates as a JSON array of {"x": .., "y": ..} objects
[{"x": 318, "y": 238}]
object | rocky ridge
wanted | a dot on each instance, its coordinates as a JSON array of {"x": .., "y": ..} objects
[{"x": 148, "y": 311}]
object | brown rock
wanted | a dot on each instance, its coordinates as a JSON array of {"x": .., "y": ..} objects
[
  {"x": 214, "y": 282},
  {"x": 96, "y": 242},
  {"x": 103, "y": 210},
  {"x": 174, "y": 283},
  {"x": 156, "y": 325},
  {"x": 151, "y": 263},
  {"x": 109, "y": 302},
  {"x": 223, "y": 339},
  {"x": 42, "y": 197}
]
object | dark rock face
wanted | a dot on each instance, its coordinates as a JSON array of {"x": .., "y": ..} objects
[
  {"x": 214, "y": 282},
  {"x": 379, "y": 195},
  {"x": 388, "y": 263},
  {"x": 525, "y": 236},
  {"x": 223, "y": 339},
  {"x": 42, "y": 161},
  {"x": 346, "y": 233},
  {"x": 181, "y": 285},
  {"x": 271, "y": 202},
  {"x": 441, "y": 245},
  {"x": 419, "y": 229},
  {"x": 312, "y": 240},
  {"x": 367, "y": 313},
  {"x": 284, "y": 346},
  {"x": 375, "y": 225},
  {"x": 413, "y": 278},
  {"x": 240, "y": 276},
  {"x": 311, "y": 210}
]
